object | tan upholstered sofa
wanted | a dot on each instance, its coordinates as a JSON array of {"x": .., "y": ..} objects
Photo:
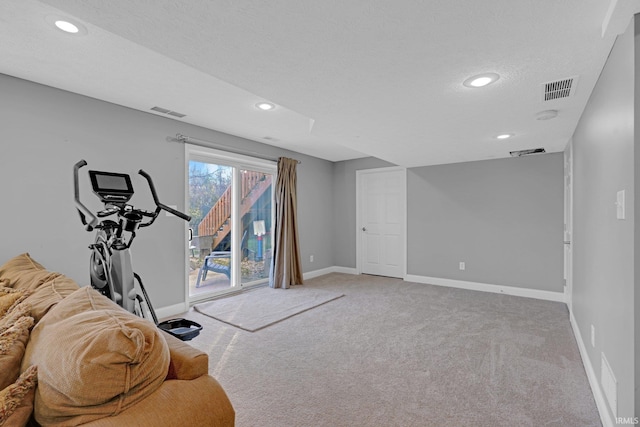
[{"x": 69, "y": 356}]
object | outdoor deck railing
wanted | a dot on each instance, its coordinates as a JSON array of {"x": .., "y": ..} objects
[{"x": 219, "y": 215}]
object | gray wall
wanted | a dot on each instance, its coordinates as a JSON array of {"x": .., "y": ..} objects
[
  {"x": 344, "y": 208},
  {"x": 603, "y": 247},
  {"x": 315, "y": 219},
  {"x": 45, "y": 131},
  {"x": 503, "y": 218}
]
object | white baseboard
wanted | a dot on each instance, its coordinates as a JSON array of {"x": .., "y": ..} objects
[
  {"x": 171, "y": 310},
  {"x": 333, "y": 269},
  {"x": 601, "y": 402},
  {"x": 345, "y": 270},
  {"x": 485, "y": 287}
]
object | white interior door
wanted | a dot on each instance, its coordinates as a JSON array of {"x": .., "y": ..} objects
[{"x": 382, "y": 219}]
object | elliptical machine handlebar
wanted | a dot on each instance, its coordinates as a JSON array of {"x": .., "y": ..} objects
[
  {"x": 82, "y": 209},
  {"x": 161, "y": 206},
  {"x": 89, "y": 219}
]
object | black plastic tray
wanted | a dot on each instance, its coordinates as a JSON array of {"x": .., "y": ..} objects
[{"x": 183, "y": 329}]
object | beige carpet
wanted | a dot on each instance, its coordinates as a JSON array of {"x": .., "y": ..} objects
[
  {"x": 399, "y": 354},
  {"x": 258, "y": 308}
]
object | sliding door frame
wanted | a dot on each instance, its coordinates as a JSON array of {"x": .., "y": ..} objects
[{"x": 239, "y": 162}]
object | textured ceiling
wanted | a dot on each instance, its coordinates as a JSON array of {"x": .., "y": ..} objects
[{"x": 350, "y": 79}]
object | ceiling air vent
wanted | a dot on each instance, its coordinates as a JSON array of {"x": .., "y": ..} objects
[
  {"x": 527, "y": 152},
  {"x": 160, "y": 110},
  {"x": 559, "y": 89},
  {"x": 169, "y": 112},
  {"x": 173, "y": 113}
]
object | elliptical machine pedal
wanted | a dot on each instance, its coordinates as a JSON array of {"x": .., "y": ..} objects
[{"x": 183, "y": 329}]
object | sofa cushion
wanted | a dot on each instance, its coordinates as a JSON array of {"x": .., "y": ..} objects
[
  {"x": 16, "y": 400},
  {"x": 43, "y": 289},
  {"x": 48, "y": 294},
  {"x": 12, "y": 347},
  {"x": 94, "y": 359},
  {"x": 23, "y": 272}
]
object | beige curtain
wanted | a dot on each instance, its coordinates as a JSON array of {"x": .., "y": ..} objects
[{"x": 286, "y": 267}]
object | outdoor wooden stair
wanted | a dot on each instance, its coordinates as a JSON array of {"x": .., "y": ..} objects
[{"x": 217, "y": 222}]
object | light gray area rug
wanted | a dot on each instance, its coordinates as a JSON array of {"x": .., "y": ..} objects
[
  {"x": 396, "y": 354},
  {"x": 258, "y": 308}
]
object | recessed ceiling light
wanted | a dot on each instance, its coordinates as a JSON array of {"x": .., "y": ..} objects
[
  {"x": 481, "y": 80},
  {"x": 504, "y": 136},
  {"x": 67, "y": 25},
  {"x": 265, "y": 106}
]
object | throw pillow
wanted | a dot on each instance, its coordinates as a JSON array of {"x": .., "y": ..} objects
[
  {"x": 16, "y": 400},
  {"x": 23, "y": 309},
  {"x": 93, "y": 363},
  {"x": 23, "y": 272},
  {"x": 12, "y": 346},
  {"x": 8, "y": 298}
]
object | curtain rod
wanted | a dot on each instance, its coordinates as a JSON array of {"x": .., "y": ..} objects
[{"x": 208, "y": 144}]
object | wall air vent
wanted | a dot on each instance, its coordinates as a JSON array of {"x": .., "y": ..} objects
[
  {"x": 527, "y": 152},
  {"x": 559, "y": 89},
  {"x": 169, "y": 112}
]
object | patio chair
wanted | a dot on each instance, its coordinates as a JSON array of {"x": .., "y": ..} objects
[{"x": 211, "y": 263}]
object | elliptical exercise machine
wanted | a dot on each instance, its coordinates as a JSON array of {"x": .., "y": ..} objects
[{"x": 110, "y": 265}]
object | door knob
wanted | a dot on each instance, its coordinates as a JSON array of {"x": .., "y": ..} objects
[{"x": 364, "y": 228}]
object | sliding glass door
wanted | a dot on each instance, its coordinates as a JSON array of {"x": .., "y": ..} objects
[
  {"x": 230, "y": 200},
  {"x": 210, "y": 201},
  {"x": 255, "y": 244}
]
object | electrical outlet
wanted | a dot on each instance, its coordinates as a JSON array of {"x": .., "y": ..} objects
[
  {"x": 462, "y": 265},
  {"x": 593, "y": 336},
  {"x": 311, "y": 258}
]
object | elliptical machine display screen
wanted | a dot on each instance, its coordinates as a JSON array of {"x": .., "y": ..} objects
[{"x": 111, "y": 187}]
